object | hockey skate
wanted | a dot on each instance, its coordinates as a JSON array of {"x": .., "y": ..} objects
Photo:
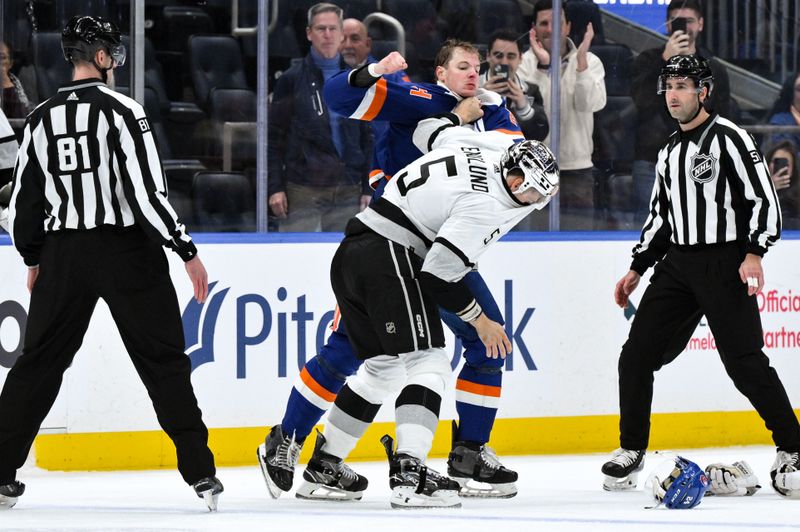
[
  {"x": 277, "y": 457},
  {"x": 415, "y": 485},
  {"x": 328, "y": 478},
  {"x": 209, "y": 489},
  {"x": 622, "y": 471},
  {"x": 478, "y": 471},
  {"x": 785, "y": 473},
  {"x": 9, "y": 493}
]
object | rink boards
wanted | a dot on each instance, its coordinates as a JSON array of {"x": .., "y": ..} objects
[{"x": 269, "y": 309}]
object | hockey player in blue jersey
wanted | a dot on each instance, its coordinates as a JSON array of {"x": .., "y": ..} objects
[{"x": 373, "y": 93}]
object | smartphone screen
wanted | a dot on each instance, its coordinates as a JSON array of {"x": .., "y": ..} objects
[
  {"x": 779, "y": 163},
  {"x": 678, "y": 23}
]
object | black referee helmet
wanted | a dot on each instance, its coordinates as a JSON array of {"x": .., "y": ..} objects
[
  {"x": 692, "y": 66},
  {"x": 84, "y": 35}
]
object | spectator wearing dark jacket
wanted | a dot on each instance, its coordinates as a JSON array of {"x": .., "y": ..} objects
[
  {"x": 654, "y": 122},
  {"x": 524, "y": 100},
  {"x": 318, "y": 160},
  {"x": 786, "y": 110}
]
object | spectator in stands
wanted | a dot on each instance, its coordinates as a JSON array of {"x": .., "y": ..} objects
[
  {"x": 782, "y": 160},
  {"x": 15, "y": 101},
  {"x": 524, "y": 100},
  {"x": 357, "y": 44},
  {"x": 786, "y": 110},
  {"x": 654, "y": 122},
  {"x": 318, "y": 161},
  {"x": 583, "y": 92},
  {"x": 8, "y": 150}
]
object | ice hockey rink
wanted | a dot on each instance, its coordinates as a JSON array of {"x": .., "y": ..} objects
[{"x": 556, "y": 493}]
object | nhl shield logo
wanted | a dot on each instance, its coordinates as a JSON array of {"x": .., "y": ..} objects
[{"x": 703, "y": 168}]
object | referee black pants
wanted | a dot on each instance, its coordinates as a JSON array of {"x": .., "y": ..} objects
[
  {"x": 687, "y": 284},
  {"x": 130, "y": 273}
]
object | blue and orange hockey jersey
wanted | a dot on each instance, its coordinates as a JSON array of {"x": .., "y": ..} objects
[{"x": 403, "y": 104}]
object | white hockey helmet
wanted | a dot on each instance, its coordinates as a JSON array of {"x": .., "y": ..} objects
[{"x": 538, "y": 166}]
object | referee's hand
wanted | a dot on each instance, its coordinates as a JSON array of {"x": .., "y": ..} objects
[
  {"x": 752, "y": 274},
  {"x": 625, "y": 287},
  {"x": 199, "y": 277}
]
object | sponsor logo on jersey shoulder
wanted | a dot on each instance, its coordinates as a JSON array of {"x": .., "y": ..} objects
[
  {"x": 704, "y": 168},
  {"x": 512, "y": 118},
  {"x": 72, "y": 97}
]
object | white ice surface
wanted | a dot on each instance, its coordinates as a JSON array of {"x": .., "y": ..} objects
[{"x": 556, "y": 493}]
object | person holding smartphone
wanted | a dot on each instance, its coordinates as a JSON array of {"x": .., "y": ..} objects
[
  {"x": 582, "y": 94},
  {"x": 684, "y": 25},
  {"x": 782, "y": 161},
  {"x": 524, "y": 100}
]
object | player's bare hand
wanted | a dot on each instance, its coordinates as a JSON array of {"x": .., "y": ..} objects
[
  {"x": 279, "y": 204},
  {"x": 394, "y": 62},
  {"x": 363, "y": 202},
  {"x": 677, "y": 44},
  {"x": 469, "y": 110},
  {"x": 625, "y": 288},
  {"x": 199, "y": 277},
  {"x": 752, "y": 274},
  {"x": 33, "y": 274},
  {"x": 493, "y": 336},
  {"x": 782, "y": 178}
]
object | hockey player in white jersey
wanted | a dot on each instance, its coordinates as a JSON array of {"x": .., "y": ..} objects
[{"x": 409, "y": 252}]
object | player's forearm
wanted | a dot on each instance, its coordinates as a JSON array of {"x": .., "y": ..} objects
[
  {"x": 363, "y": 77},
  {"x": 455, "y": 297}
]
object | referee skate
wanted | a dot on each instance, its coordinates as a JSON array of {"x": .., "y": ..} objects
[{"x": 622, "y": 471}]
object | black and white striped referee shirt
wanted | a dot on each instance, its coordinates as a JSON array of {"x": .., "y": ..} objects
[
  {"x": 88, "y": 158},
  {"x": 712, "y": 186}
]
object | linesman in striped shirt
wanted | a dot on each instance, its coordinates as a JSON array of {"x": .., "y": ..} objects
[
  {"x": 713, "y": 215},
  {"x": 89, "y": 215}
]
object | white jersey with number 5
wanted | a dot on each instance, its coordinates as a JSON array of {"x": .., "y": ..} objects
[{"x": 452, "y": 203}]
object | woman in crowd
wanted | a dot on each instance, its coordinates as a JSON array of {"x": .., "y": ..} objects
[
  {"x": 786, "y": 110},
  {"x": 15, "y": 101},
  {"x": 782, "y": 160}
]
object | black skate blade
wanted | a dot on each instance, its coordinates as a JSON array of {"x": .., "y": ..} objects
[{"x": 272, "y": 488}]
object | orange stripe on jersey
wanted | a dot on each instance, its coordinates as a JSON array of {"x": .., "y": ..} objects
[
  {"x": 377, "y": 101},
  {"x": 509, "y": 132},
  {"x": 316, "y": 387},
  {"x": 478, "y": 389}
]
